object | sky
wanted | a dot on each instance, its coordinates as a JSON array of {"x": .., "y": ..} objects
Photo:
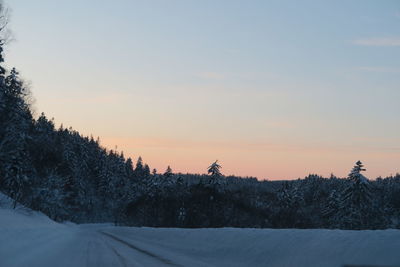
[{"x": 272, "y": 89}]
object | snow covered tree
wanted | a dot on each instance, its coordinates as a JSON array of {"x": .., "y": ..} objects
[
  {"x": 331, "y": 209},
  {"x": 15, "y": 124},
  {"x": 356, "y": 199},
  {"x": 213, "y": 170},
  {"x": 51, "y": 196},
  {"x": 214, "y": 174},
  {"x": 287, "y": 211},
  {"x": 15, "y": 164}
]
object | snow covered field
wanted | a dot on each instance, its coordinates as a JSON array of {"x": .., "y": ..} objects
[{"x": 31, "y": 239}]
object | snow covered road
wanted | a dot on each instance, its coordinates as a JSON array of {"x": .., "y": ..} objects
[
  {"x": 31, "y": 239},
  {"x": 70, "y": 245}
]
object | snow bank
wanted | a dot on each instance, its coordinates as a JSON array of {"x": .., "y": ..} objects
[
  {"x": 21, "y": 217},
  {"x": 25, "y": 234}
]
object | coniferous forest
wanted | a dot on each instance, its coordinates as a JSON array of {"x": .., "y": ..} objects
[{"x": 71, "y": 177}]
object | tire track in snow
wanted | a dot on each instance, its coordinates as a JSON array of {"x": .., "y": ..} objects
[
  {"x": 89, "y": 244},
  {"x": 148, "y": 253},
  {"x": 121, "y": 259}
]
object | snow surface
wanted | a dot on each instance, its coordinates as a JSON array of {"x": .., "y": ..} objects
[{"x": 31, "y": 239}]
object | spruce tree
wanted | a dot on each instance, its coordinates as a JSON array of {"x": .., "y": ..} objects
[
  {"x": 16, "y": 122},
  {"x": 146, "y": 170},
  {"x": 213, "y": 170},
  {"x": 139, "y": 167},
  {"x": 214, "y": 173},
  {"x": 356, "y": 199},
  {"x": 330, "y": 210},
  {"x": 129, "y": 168},
  {"x": 168, "y": 172}
]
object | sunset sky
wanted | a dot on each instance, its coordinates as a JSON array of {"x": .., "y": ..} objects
[{"x": 272, "y": 89}]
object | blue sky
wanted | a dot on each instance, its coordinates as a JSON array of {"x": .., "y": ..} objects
[{"x": 257, "y": 84}]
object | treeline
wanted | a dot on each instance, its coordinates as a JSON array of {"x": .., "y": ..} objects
[
  {"x": 71, "y": 177},
  {"x": 312, "y": 202}
]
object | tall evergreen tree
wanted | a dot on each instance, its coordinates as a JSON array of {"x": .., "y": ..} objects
[
  {"x": 129, "y": 168},
  {"x": 356, "y": 199},
  {"x": 331, "y": 209},
  {"x": 146, "y": 170},
  {"x": 15, "y": 122},
  {"x": 213, "y": 170},
  {"x": 214, "y": 174},
  {"x": 139, "y": 167},
  {"x": 168, "y": 172}
]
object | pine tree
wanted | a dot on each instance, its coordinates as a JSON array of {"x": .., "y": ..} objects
[
  {"x": 52, "y": 196},
  {"x": 139, "y": 167},
  {"x": 15, "y": 121},
  {"x": 331, "y": 209},
  {"x": 356, "y": 199},
  {"x": 284, "y": 209},
  {"x": 129, "y": 171},
  {"x": 214, "y": 174},
  {"x": 146, "y": 170},
  {"x": 168, "y": 172},
  {"x": 15, "y": 163},
  {"x": 213, "y": 170}
]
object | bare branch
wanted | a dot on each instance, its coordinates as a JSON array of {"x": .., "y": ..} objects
[{"x": 5, "y": 33}]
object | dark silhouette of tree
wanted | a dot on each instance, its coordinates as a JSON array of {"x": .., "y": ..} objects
[
  {"x": 168, "y": 172},
  {"x": 356, "y": 199},
  {"x": 213, "y": 170}
]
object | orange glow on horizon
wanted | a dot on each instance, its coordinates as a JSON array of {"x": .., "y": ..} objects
[{"x": 264, "y": 161}]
